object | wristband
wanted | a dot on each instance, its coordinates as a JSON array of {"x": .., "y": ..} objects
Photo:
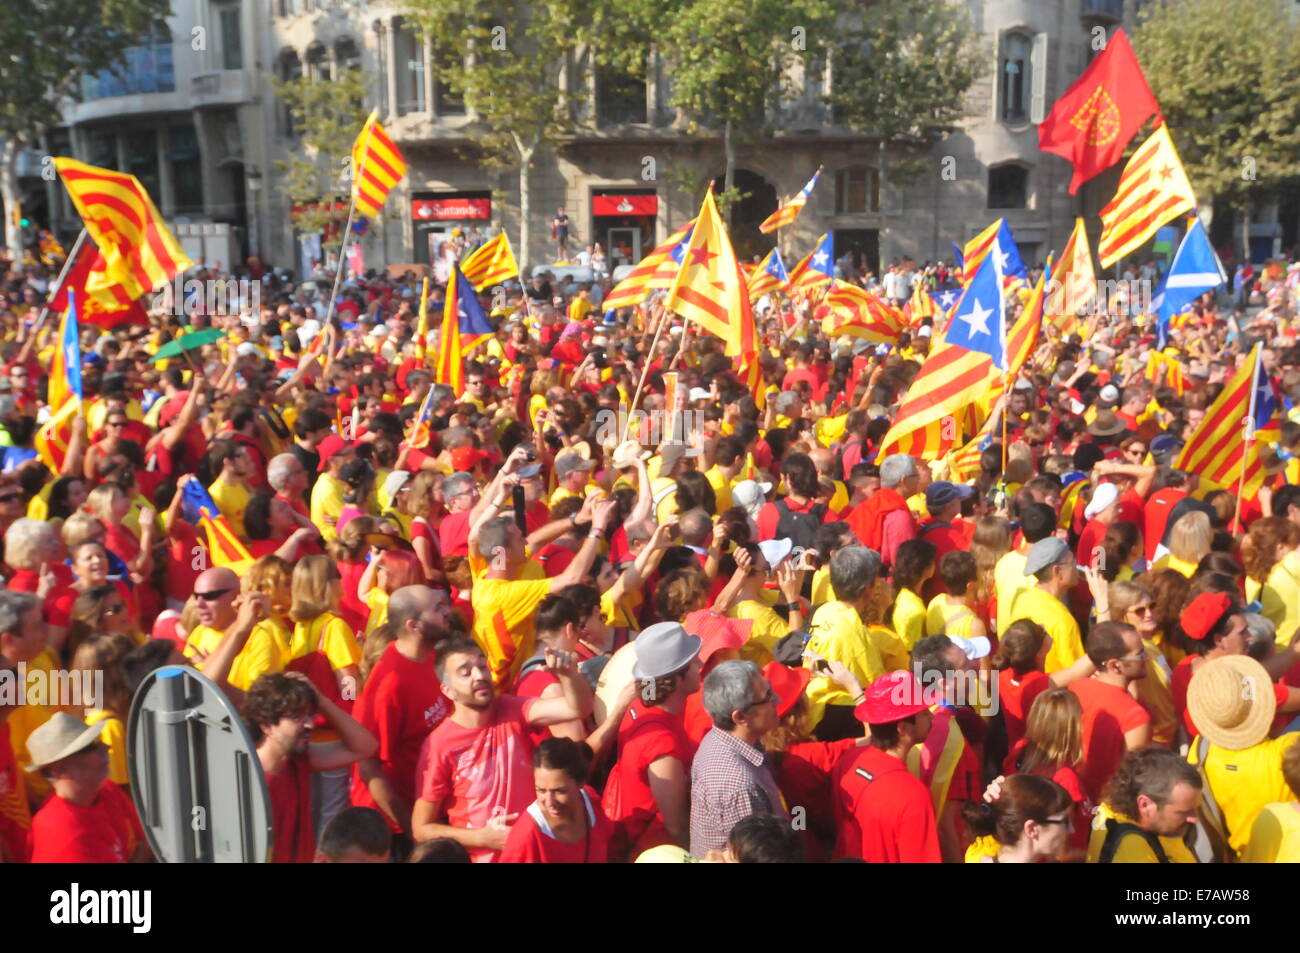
[{"x": 594, "y": 534}]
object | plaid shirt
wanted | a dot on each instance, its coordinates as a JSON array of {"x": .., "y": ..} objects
[{"x": 730, "y": 780}]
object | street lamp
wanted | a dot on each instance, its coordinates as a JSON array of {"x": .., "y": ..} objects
[{"x": 254, "y": 179}]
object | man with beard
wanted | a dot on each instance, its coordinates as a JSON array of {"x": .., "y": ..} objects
[
  {"x": 280, "y": 712},
  {"x": 476, "y": 767},
  {"x": 400, "y": 704}
]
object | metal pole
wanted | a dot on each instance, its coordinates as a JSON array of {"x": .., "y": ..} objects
[{"x": 63, "y": 275}]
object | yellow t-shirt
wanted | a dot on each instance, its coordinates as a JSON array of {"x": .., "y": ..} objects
[
  {"x": 503, "y": 622},
  {"x": 330, "y": 635},
  {"x": 721, "y": 488},
  {"x": 1132, "y": 848},
  {"x": 1049, "y": 612},
  {"x": 946, "y": 619},
  {"x": 232, "y": 499},
  {"x": 1244, "y": 782},
  {"x": 1275, "y": 836},
  {"x": 821, "y": 586},
  {"x": 264, "y": 652},
  {"x": 664, "y": 490},
  {"x": 768, "y": 629},
  {"x": 377, "y": 600},
  {"x": 894, "y": 653},
  {"x": 327, "y": 504},
  {"x": 838, "y": 634},
  {"x": 1008, "y": 580},
  {"x": 840, "y": 499},
  {"x": 1156, "y": 695},
  {"x": 579, "y": 308},
  {"x": 909, "y": 617},
  {"x": 114, "y": 735},
  {"x": 1280, "y": 596}
]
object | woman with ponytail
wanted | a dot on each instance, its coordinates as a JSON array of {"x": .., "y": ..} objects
[{"x": 1027, "y": 816}]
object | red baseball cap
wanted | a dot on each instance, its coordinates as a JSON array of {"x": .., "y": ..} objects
[
  {"x": 788, "y": 683},
  {"x": 717, "y": 631},
  {"x": 467, "y": 458},
  {"x": 331, "y": 445},
  {"x": 892, "y": 697}
]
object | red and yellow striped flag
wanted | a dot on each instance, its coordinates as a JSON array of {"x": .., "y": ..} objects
[
  {"x": 377, "y": 166},
  {"x": 1152, "y": 190},
  {"x": 858, "y": 313},
  {"x": 491, "y": 264},
  {"x": 225, "y": 548},
  {"x": 710, "y": 289},
  {"x": 656, "y": 270},
  {"x": 928, "y": 424},
  {"x": 787, "y": 213},
  {"x": 977, "y": 249},
  {"x": 138, "y": 250},
  {"x": 1163, "y": 370},
  {"x": 920, "y": 306},
  {"x": 55, "y": 435},
  {"x": 1225, "y": 448},
  {"x": 1074, "y": 282}
]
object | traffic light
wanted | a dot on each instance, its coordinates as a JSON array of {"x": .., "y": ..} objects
[{"x": 18, "y": 218}]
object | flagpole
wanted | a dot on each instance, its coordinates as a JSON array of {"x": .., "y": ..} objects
[
  {"x": 664, "y": 319},
  {"x": 63, "y": 276},
  {"x": 1250, "y": 433}
]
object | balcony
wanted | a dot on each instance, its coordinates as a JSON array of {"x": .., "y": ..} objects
[
  {"x": 1102, "y": 11},
  {"x": 221, "y": 88}
]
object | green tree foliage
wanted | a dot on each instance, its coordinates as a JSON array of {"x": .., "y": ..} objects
[
  {"x": 326, "y": 117},
  {"x": 1227, "y": 77}
]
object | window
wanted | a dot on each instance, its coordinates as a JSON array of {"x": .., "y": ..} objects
[
  {"x": 446, "y": 101},
  {"x": 142, "y": 158},
  {"x": 187, "y": 172},
  {"x": 1008, "y": 186},
  {"x": 620, "y": 97},
  {"x": 408, "y": 56},
  {"x": 318, "y": 63},
  {"x": 347, "y": 54},
  {"x": 857, "y": 190},
  {"x": 1014, "y": 80},
  {"x": 146, "y": 67},
  {"x": 289, "y": 70},
  {"x": 232, "y": 49}
]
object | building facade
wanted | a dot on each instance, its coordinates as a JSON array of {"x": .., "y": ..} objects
[{"x": 196, "y": 117}]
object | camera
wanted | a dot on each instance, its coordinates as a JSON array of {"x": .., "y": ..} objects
[{"x": 600, "y": 358}]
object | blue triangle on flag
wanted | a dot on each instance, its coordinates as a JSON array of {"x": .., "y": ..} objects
[
  {"x": 1194, "y": 271},
  {"x": 979, "y": 323},
  {"x": 823, "y": 258}
]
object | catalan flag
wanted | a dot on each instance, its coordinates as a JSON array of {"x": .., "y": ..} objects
[
  {"x": 656, "y": 270},
  {"x": 139, "y": 251},
  {"x": 921, "y": 305},
  {"x": 106, "y": 308},
  {"x": 859, "y": 313},
  {"x": 996, "y": 238},
  {"x": 1075, "y": 282},
  {"x": 1023, "y": 336},
  {"x": 964, "y": 363},
  {"x": 55, "y": 436},
  {"x": 1225, "y": 449},
  {"x": 770, "y": 275},
  {"x": 224, "y": 545},
  {"x": 787, "y": 213},
  {"x": 1152, "y": 190},
  {"x": 815, "y": 269},
  {"x": 422, "y": 326},
  {"x": 1166, "y": 371},
  {"x": 463, "y": 325},
  {"x": 418, "y": 436},
  {"x": 491, "y": 264},
  {"x": 377, "y": 167},
  {"x": 709, "y": 288}
]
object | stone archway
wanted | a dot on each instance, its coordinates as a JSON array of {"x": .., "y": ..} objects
[{"x": 758, "y": 203}]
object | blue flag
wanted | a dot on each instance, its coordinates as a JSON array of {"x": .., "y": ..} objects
[
  {"x": 71, "y": 346},
  {"x": 1195, "y": 270},
  {"x": 776, "y": 267},
  {"x": 195, "y": 497},
  {"x": 1007, "y": 252},
  {"x": 979, "y": 323},
  {"x": 944, "y": 298},
  {"x": 679, "y": 250},
  {"x": 474, "y": 322}
]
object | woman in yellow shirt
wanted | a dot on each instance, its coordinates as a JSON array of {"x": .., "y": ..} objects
[
  {"x": 913, "y": 566},
  {"x": 1189, "y": 541},
  {"x": 273, "y": 576},
  {"x": 100, "y": 658},
  {"x": 318, "y": 627}
]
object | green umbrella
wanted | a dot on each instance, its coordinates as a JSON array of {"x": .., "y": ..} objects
[{"x": 188, "y": 342}]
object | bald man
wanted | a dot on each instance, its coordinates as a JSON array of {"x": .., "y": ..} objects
[
  {"x": 236, "y": 640},
  {"x": 824, "y": 460},
  {"x": 400, "y": 703}
]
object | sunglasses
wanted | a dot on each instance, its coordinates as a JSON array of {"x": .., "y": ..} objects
[
  {"x": 1143, "y": 610},
  {"x": 769, "y": 697},
  {"x": 213, "y": 595}
]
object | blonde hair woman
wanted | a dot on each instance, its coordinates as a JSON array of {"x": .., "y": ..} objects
[
  {"x": 418, "y": 505},
  {"x": 1189, "y": 541},
  {"x": 274, "y": 577},
  {"x": 1133, "y": 603},
  {"x": 320, "y": 631}
]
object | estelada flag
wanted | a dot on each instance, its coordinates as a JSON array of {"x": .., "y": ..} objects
[
  {"x": 1092, "y": 123},
  {"x": 1153, "y": 189},
  {"x": 106, "y": 308}
]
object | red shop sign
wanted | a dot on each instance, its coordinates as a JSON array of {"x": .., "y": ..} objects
[
  {"x": 450, "y": 209},
  {"x": 625, "y": 204}
]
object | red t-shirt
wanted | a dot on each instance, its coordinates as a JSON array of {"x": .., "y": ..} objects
[
  {"x": 644, "y": 736},
  {"x": 531, "y": 686},
  {"x": 453, "y": 534},
  {"x": 1109, "y": 712},
  {"x": 104, "y": 832},
  {"x": 477, "y": 774},
  {"x": 15, "y": 821},
  {"x": 55, "y": 606},
  {"x": 883, "y": 814},
  {"x": 1067, "y": 778},
  {"x": 769, "y": 517},
  {"x": 695, "y": 719},
  {"x": 1132, "y": 508},
  {"x": 531, "y": 840},
  {"x": 420, "y": 529},
  {"x": 1017, "y": 696},
  {"x": 353, "y": 610},
  {"x": 401, "y": 702},
  {"x": 804, "y": 778},
  {"x": 291, "y": 817},
  {"x": 1155, "y": 515},
  {"x": 1088, "y": 552}
]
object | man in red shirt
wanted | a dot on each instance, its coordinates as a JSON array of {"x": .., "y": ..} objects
[
  {"x": 475, "y": 768},
  {"x": 461, "y": 497},
  {"x": 1155, "y": 516},
  {"x": 883, "y": 813},
  {"x": 280, "y": 711},
  {"x": 1113, "y": 721},
  {"x": 884, "y": 522},
  {"x": 945, "y": 529},
  {"x": 401, "y": 703},
  {"x": 88, "y": 819}
]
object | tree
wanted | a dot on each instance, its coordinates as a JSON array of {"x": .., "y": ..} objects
[
  {"x": 514, "y": 63},
  {"x": 49, "y": 45},
  {"x": 1228, "y": 82},
  {"x": 326, "y": 117},
  {"x": 900, "y": 72}
]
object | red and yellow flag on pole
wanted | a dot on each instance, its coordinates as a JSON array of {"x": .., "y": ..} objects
[
  {"x": 138, "y": 250},
  {"x": 656, "y": 270},
  {"x": 377, "y": 166},
  {"x": 1074, "y": 283},
  {"x": 491, "y": 264},
  {"x": 1153, "y": 189},
  {"x": 787, "y": 213},
  {"x": 858, "y": 313}
]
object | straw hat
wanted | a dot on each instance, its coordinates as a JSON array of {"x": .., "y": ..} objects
[
  {"x": 1231, "y": 701},
  {"x": 59, "y": 738}
]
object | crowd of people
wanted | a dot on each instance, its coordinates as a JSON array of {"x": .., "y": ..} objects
[{"x": 533, "y": 628}]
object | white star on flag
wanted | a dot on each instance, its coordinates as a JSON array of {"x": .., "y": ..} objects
[
  {"x": 820, "y": 259},
  {"x": 978, "y": 319}
]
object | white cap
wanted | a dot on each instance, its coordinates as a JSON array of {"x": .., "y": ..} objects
[
  {"x": 775, "y": 550},
  {"x": 1105, "y": 495},
  {"x": 751, "y": 495},
  {"x": 924, "y": 331}
]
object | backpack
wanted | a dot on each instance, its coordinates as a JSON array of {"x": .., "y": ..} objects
[
  {"x": 799, "y": 528},
  {"x": 1117, "y": 830}
]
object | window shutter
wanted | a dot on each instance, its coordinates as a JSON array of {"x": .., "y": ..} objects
[{"x": 1038, "y": 79}]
